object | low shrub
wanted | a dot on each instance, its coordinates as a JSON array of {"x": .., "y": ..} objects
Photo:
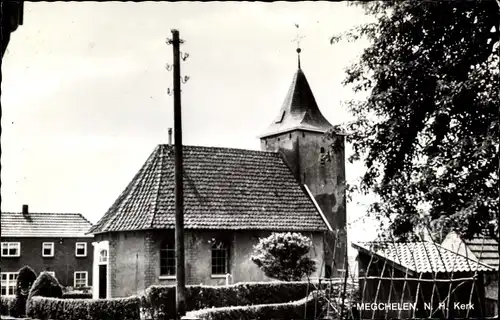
[
  {"x": 159, "y": 301},
  {"x": 307, "y": 308},
  {"x": 7, "y": 304},
  {"x": 83, "y": 309},
  {"x": 46, "y": 286},
  {"x": 77, "y": 295}
]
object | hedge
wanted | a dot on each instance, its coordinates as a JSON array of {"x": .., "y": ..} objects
[
  {"x": 46, "y": 285},
  {"x": 309, "y": 307},
  {"x": 77, "y": 295},
  {"x": 7, "y": 304},
  {"x": 159, "y": 301},
  {"x": 83, "y": 309}
]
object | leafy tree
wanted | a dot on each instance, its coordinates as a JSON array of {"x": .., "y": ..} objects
[
  {"x": 25, "y": 278},
  {"x": 283, "y": 256},
  {"x": 428, "y": 132}
]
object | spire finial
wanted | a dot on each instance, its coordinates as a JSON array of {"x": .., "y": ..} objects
[{"x": 297, "y": 39}]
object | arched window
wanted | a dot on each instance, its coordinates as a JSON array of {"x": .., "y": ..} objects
[
  {"x": 103, "y": 256},
  {"x": 167, "y": 258},
  {"x": 220, "y": 258},
  {"x": 322, "y": 156}
]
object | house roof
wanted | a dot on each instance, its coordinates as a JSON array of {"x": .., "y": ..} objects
[
  {"x": 50, "y": 225},
  {"x": 223, "y": 189},
  {"x": 422, "y": 257},
  {"x": 299, "y": 110},
  {"x": 485, "y": 249}
]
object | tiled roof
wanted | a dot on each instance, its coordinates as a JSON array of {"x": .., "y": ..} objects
[
  {"x": 35, "y": 224},
  {"x": 422, "y": 257},
  {"x": 299, "y": 110},
  {"x": 223, "y": 189},
  {"x": 485, "y": 249}
]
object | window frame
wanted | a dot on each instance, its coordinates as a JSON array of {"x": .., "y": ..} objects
[
  {"x": 8, "y": 283},
  {"x": 225, "y": 250},
  {"x": 167, "y": 247},
  {"x": 84, "y": 249},
  {"x": 8, "y": 246},
  {"x": 86, "y": 279},
  {"x": 52, "y": 250}
]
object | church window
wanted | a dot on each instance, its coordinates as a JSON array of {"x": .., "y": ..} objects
[
  {"x": 167, "y": 257},
  {"x": 280, "y": 119},
  {"x": 322, "y": 156},
  {"x": 220, "y": 257},
  {"x": 103, "y": 256}
]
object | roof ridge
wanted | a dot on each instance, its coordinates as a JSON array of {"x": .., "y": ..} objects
[
  {"x": 37, "y": 212},
  {"x": 221, "y": 148},
  {"x": 84, "y": 218},
  {"x": 159, "y": 184},
  {"x": 121, "y": 197}
]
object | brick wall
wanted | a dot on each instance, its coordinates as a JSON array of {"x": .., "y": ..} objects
[
  {"x": 64, "y": 262},
  {"x": 134, "y": 258}
]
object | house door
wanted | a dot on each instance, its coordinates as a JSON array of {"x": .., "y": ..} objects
[{"x": 102, "y": 281}]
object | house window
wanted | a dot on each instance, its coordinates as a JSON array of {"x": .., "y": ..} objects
[
  {"x": 80, "y": 279},
  {"x": 220, "y": 257},
  {"x": 81, "y": 249},
  {"x": 11, "y": 249},
  {"x": 48, "y": 249},
  {"x": 167, "y": 258},
  {"x": 103, "y": 256},
  {"x": 9, "y": 282}
]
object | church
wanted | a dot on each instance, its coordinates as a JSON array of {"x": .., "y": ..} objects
[{"x": 232, "y": 197}]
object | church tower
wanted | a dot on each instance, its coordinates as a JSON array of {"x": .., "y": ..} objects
[{"x": 298, "y": 133}]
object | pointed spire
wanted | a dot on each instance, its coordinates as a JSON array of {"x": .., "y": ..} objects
[
  {"x": 297, "y": 39},
  {"x": 298, "y": 56},
  {"x": 299, "y": 110}
]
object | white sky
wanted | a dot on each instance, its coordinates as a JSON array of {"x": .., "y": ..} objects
[{"x": 84, "y": 90}]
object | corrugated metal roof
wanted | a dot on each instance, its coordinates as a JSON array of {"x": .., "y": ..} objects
[
  {"x": 36, "y": 224},
  {"x": 422, "y": 257},
  {"x": 299, "y": 110},
  {"x": 223, "y": 189}
]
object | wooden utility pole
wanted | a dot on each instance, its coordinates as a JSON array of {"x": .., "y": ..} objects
[{"x": 179, "y": 188}]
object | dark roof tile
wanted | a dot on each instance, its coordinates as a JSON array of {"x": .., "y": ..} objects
[
  {"x": 36, "y": 224},
  {"x": 223, "y": 189},
  {"x": 423, "y": 257}
]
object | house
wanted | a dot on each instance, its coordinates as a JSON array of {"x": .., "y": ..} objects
[
  {"x": 54, "y": 242},
  {"x": 232, "y": 197},
  {"x": 412, "y": 280},
  {"x": 483, "y": 249}
]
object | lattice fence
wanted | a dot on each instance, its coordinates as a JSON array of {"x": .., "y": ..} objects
[{"x": 454, "y": 279}]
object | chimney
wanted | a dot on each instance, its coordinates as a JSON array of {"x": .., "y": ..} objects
[
  {"x": 25, "y": 210},
  {"x": 169, "y": 136}
]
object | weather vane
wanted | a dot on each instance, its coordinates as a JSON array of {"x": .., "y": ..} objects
[{"x": 297, "y": 40}]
